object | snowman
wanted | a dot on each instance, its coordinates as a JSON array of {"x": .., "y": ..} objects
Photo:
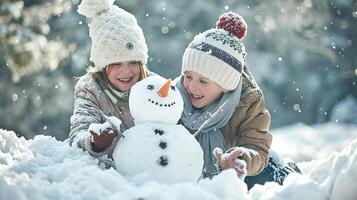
[{"x": 156, "y": 148}]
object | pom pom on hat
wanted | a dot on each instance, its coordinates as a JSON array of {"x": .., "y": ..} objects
[
  {"x": 233, "y": 23},
  {"x": 91, "y": 8}
]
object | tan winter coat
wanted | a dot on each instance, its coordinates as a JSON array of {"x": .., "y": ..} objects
[
  {"x": 249, "y": 126},
  {"x": 89, "y": 104}
]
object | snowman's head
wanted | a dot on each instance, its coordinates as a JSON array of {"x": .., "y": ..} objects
[{"x": 155, "y": 100}]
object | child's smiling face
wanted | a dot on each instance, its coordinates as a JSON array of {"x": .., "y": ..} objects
[
  {"x": 123, "y": 75},
  {"x": 202, "y": 90}
]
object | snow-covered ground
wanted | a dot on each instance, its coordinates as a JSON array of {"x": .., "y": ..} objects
[
  {"x": 304, "y": 143},
  {"x": 44, "y": 168}
]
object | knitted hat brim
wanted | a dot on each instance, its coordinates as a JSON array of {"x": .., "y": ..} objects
[{"x": 210, "y": 67}]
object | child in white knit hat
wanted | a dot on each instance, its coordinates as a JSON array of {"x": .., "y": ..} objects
[
  {"x": 224, "y": 106},
  {"x": 119, "y": 53}
]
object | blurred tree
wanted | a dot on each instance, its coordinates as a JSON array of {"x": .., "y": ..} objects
[
  {"x": 24, "y": 26},
  {"x": 37, "y": 103}
]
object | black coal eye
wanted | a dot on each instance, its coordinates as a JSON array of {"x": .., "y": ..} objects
[
  {"x": 150, "y": 87},
  {"x": 173, "y": 88}
]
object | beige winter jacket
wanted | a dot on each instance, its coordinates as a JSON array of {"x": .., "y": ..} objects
[
  {"x": 90, "y": 102},
  {"x": 249, "y": 126}
]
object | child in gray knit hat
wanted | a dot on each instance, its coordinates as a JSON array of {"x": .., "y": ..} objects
[{"x": 224, "y": 106}]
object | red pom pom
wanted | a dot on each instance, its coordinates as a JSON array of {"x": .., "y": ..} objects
[{"x": 233, "y": 23}]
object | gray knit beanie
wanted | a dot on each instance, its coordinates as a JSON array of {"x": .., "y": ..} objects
[{"x": 219, "y": 54}]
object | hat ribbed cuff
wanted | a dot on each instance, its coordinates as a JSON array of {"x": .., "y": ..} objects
[{"x": 211, "y": 67}]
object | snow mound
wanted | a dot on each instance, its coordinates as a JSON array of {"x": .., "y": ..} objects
[
  {"x": 301, "y": 142},
  {"x": 44, "y": 168},
  {"x": 330, "y": 178}
]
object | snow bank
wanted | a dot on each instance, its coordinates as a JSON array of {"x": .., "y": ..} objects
[
  {"x": 330, "y": 178},
  {"x": 304, "y": 143},
  {"x": 44, "y": 168}
]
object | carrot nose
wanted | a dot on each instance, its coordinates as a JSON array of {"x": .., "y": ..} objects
[{"x": 164, "y": 90}]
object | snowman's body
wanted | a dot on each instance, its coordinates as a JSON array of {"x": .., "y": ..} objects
[
  {"x": 165, "y": 153},
  {"x": 156, "y": 148}
]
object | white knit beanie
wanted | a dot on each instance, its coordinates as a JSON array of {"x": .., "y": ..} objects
[
  {"x": 115, "y": 33},
  {"x": 219, "y": 54}
]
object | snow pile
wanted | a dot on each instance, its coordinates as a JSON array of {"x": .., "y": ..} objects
[
  {"x": 304, "y": 143},
  {"x": 330, "y": 178},
  {"x": 44, "y": 168}
]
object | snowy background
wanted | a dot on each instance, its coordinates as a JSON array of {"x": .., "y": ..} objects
[{"x": 301, "y": 52}]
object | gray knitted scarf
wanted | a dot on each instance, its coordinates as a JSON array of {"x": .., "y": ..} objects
[{"x": 208, "y": 122}]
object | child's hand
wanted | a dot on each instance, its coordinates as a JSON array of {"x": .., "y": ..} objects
[
  {"x": 230, "y": 159},
  {"x": 102, "y": 136},
  {"x": 104, "y": 139}
]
